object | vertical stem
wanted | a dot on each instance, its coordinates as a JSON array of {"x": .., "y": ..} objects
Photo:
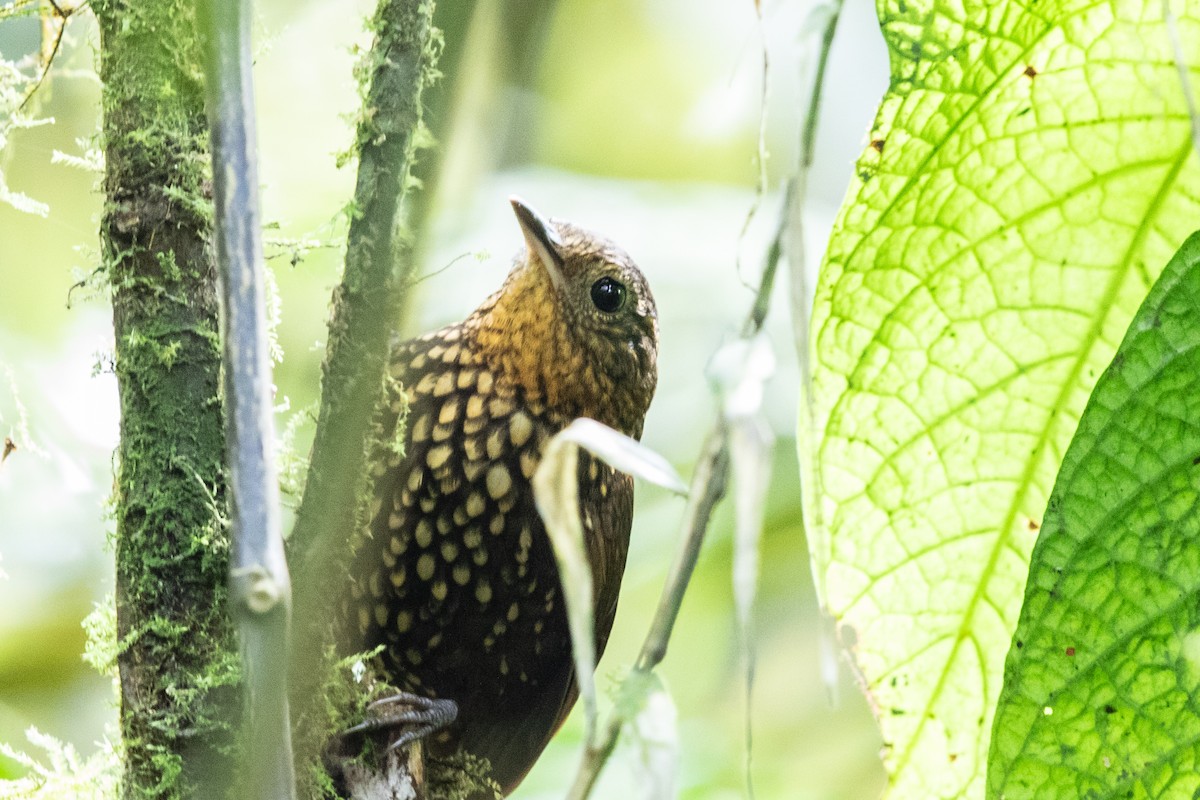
[
  {"x": 258, "y": 579},
  {"x": 178, "y": 675},
  {"x": 365, "y": 309}
]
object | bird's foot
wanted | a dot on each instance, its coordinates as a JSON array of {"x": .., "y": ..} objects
[{"x": 416, "y": 717}]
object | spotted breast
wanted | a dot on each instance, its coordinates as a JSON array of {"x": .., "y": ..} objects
[{"x": 457, "y": 580}]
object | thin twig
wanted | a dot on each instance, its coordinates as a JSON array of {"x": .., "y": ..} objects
[
  {"x": 712, "y": 470},
  {"x": 261, "y": 588}
]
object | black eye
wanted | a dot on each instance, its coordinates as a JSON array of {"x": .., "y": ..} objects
[{"x": 608, "y": 295}]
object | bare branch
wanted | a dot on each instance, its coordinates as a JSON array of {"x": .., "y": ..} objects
[
  {"x": 365, "y": 309},
  {"x": 258, "y": 577}
]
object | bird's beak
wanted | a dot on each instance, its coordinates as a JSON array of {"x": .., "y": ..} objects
[{"x": 541, "y": 239}]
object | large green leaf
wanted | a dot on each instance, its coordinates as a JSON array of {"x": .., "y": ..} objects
[
  {"x": 1030, "y": 171},
  {"x": 1101, "y": 687}
]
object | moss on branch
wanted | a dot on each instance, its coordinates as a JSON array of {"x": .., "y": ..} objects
[{"x": 177, "y": 660}]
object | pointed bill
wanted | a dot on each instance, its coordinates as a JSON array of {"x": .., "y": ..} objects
[{"x": 541, "y": 239}]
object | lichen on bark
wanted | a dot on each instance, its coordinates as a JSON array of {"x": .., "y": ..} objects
[{"x": 177, "y": 656}]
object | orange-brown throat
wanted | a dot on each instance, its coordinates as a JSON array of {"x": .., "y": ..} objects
[{"x": 524, "y": 334}]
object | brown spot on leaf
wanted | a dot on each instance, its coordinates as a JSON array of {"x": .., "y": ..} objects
[
  {"x": 9, "y": 447},
  {"x": 1030, "y": 72},
  {"x": 877, "y": 145}
]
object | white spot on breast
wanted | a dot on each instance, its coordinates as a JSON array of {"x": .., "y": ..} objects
[
  {"x": 449, "y": 411},
  {"x": 462, "y": 574},
  {"x": 449, "y": 551},
  {"x": 520, "y": 427},
  {"x": 483, "y": 592},
  {"x": 439, "y": 590},
  {"x": 529, "y": 463},
  {"x": 444, "y": 385},
  {"x": 425, "y": 385},
  {"x": 420, "y": 428},
  {"x": 437, "y": 456},
  {"x": 484, "y": 384},
  {"x": 425, "y": 566},
  {"x": 404, "y": 621},
  {"x": 472, "y": 537},
  {"x": 475, "y": 504},
  {"x": 473, "y": 469},
  {"x": 424, "y": 533},
  {"x": 474, "y": 406},
  {"x": 498, "y": 481},
  {"x": 500, "y": 407},
  {"x": 495, "y": 443}
]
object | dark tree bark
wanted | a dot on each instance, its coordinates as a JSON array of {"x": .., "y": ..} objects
[{"x": 178, "y": 667}]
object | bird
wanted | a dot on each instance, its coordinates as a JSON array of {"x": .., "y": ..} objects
[{"x": 456, "y": 580}]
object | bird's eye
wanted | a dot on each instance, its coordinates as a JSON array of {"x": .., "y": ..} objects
[{"x": 608, "y": 295}]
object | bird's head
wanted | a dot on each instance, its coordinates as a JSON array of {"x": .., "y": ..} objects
[{"x": 575, "y": 323}]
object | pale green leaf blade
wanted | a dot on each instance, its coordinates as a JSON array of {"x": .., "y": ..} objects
[
  {"x": 1030, "y": 171},
  {"x": 556, "y": 494},
  {"x": 621, "y": 452},
  {"x": 1102, "y": 686}
]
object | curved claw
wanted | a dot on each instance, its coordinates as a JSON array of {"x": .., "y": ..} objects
[{"x": 421, "y": 716}]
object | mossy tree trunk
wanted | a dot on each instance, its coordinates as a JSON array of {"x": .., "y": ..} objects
[{"x": 178, "y": 663}]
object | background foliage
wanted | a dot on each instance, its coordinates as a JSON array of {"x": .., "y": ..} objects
[{"x": 640, "y": 122}]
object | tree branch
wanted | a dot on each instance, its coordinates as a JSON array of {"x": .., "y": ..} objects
[
  {"x": 178, "y": 670},
  {"x": 258, "y": 576},
  {"x": 365, "y": 310}
]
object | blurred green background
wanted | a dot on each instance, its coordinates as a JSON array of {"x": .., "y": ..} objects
[{"x": 637, "y": 118}]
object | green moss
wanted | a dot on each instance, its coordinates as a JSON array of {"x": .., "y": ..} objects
[
  {"x": 101, "y": 649},
  {"x": 175, "y": 646}
]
